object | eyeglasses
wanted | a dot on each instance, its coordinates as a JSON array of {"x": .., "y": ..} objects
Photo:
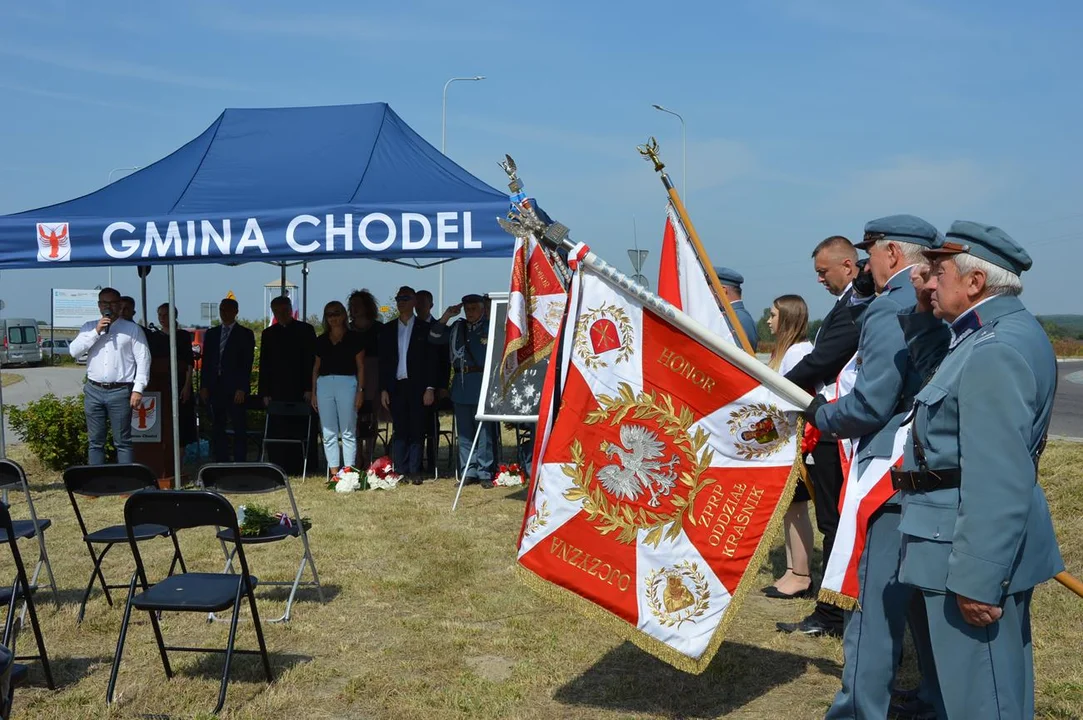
[{"x": 403, "y": 298}]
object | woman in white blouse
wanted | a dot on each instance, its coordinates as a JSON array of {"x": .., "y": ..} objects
[{"x": 789, "y": 323}]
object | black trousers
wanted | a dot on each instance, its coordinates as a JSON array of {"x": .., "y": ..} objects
[
  {"x": 224, "y": 411},
  {"x": 408, "y": 413},
  {"x": 825, "y": 472}
]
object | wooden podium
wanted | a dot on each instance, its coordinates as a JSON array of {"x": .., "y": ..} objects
[{"x": 152, "y": 424}]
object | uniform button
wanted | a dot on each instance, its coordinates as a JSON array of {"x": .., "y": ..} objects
[
  {"x": 1005, "y": 584},
  {"x": 936, "y": 534}
]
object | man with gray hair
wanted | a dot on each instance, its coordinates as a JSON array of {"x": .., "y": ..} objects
[
  {"x": 977, "y": 535},
  {"x": 870, "y": 414}
]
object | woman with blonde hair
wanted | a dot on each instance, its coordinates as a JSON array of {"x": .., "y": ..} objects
[
  {"x": 789, "y": 323},
  {"x": 338, "y": 377}
]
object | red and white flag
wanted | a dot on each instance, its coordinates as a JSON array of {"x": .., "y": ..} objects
[
  {"x": 660, "y": 469},
  {"x": 535, "y": 307},
  {"x": 682, "y": 280},
  {"x": 863, "y": 492}
]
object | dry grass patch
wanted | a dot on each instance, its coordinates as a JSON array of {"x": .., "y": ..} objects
[
  {"x": 426, "y": 620},
  {"x": 10, "y": 378}
]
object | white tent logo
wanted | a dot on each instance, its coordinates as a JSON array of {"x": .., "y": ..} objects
[{"x": 54, "y": 245}]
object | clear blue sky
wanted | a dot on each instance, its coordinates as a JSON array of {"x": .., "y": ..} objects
[{"x": 805, "y": 118}]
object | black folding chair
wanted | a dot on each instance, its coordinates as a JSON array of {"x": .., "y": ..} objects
[
  {"x": 97, "y": 481},
  {"x": 255, "y": 479},
  {"x": 12, "y": 477},
  {"x": 7, "y": 664},
  {"x": 21, "y": 590},
  {"x": 286, "y": 410},
  {"x": 187, "y": 592}
]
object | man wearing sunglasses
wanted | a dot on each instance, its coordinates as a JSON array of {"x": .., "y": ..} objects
[{"x": 407, "y": 382}]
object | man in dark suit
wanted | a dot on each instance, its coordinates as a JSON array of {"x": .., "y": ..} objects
[
  {"x": 835, "y": 261},
  {"x": 287, "y": 351},
  {"x": 442, "y": 371},
  {"x": 407, "y": 385},
  {"x": 225, "y": 379}
]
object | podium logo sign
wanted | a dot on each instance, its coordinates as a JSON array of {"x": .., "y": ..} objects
[{"x": 145, "y": 425}]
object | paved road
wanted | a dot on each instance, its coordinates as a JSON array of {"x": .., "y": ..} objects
[
  {"x": 1068, "y": 407},
  {"x": 60, "y": 381}
]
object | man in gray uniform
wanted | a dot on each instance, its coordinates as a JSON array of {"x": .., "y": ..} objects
[
  {"x": 467, "y": 338},
  {"x": 871, "y": 413},
  {"x": 977, "y": 535},
  {"x": 731, "y": 283}
]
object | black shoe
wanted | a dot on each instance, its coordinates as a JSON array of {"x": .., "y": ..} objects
[
  {"x": 906, "y": 705},
  {"x": 416, "y": 480},
  {"x": 775, "y": 594},
  {"x": 809, "y": 626},
  {"x": 486, "y": 484}
]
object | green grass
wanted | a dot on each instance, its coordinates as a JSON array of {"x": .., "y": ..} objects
[{"x": 427, "y": 620}]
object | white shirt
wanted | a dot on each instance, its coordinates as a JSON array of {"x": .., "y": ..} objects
[
  {"x": 406, "y": 330},
  {"x": 795, "y": 354},
  {"x": 117, "y": 356}
]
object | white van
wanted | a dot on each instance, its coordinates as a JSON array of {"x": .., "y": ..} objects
[{"x": 21, "y": 341}]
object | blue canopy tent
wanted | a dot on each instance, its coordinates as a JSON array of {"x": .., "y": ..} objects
[{"x": 279, "y": 185}]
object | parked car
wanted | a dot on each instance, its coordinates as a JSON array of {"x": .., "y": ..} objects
[
  {"x": 54, "y": 347},
  {"x": 22, "y": 343}
]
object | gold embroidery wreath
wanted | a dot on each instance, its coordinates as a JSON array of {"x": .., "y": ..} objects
[
  {"x": 623, "y": 519},
  {"x": 539, "y": 519},
  {"x": 702, "y": 593},
  {"x": 582, "y": 335},
  {"x": 748, "y": 450}
]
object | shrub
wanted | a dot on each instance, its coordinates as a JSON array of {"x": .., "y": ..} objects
[{"x": 55, "y": 430}]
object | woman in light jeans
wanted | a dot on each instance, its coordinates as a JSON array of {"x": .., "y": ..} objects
[{"x": 338, "y": 377}]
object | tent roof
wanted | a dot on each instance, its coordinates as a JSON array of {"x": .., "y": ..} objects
[{"x": 275, "y": 164}]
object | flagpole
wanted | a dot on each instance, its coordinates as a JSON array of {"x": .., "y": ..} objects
[
  {"x": 556, "y": 236},
  {"x": 650, "y": 152}
]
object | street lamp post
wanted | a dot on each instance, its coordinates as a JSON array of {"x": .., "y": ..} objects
[
  {"x": 684, "y": 152},
  {"x": 443, "y": 150},
  {"x": 116, "y": 170}
]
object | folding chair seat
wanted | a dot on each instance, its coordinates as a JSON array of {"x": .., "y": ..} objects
[
  {"x": 98, "y": 481},
  {"x": 282, "y": 409},
  {"x": 253, "y": 479},
  {"x": 12, "y": 477},
  {"x": 21, "y": 591},
  {"x": 187, "y": 592}
]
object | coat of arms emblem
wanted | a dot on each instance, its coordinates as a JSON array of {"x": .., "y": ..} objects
[
  {"x": 54, "y": 244},
  {"x": 604, "y": 335},
  {"x": 759, "y": 430},
  {"x": 145, "y": 416},
  {"x": 645, "y": 478}
]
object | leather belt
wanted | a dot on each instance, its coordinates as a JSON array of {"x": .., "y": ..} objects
[
  {"x": 925, "y": 480},
  {"x": 110, "y": 386}
]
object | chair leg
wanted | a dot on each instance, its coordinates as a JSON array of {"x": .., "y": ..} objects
[
  {"x": 95, "y": 574},
  {"x": 293, "y": 590},
  {"x": 211, "y": 617},
  {"x": 120, "y": 642},
  {"x": 154, "y": 623},
  {"x": 42, "y": 654},
  {"x": 229, "y": 648},
  {"x": 177, "y": 557},
  {"x": 43, "y": 559},
  {"x": 312, "y": 564},
  {"x": 259, "y": 632}
]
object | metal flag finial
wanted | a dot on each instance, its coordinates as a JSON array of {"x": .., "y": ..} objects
[{"x": 649, "y": 151}]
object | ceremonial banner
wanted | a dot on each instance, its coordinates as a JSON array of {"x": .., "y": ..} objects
[
  {"x": 661, "y": 469},
  {"x": 535, "y": 307},
  {"x": 863, "y": 492},
  {"x": 682, "y": 281}
]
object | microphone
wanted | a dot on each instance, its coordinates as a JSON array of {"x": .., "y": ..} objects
[{"x": 108, "y": 315}]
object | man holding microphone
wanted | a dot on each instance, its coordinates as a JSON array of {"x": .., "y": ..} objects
[{"x": 118, "y": 367}]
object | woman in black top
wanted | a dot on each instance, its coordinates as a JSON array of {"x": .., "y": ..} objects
[
  {"x": 365, "y": 319},
  {"x": 337, "y": 376}
]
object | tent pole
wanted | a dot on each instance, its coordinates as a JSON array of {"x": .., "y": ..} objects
[
  {"x": 173, "y": 375},
  {"x": 304, "y": 292},
  {"x": 3, "y": 438},
  {"x": 143, "y": 288},
  {"x": 282, "y": 284}
]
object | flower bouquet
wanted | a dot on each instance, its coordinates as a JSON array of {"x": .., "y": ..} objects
[
  {"x": 510, "y": 476},
  {"x": 256, "y": 520},
  {"x": 381, "y": 474},
  {"x": 346, "y": 480}
]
